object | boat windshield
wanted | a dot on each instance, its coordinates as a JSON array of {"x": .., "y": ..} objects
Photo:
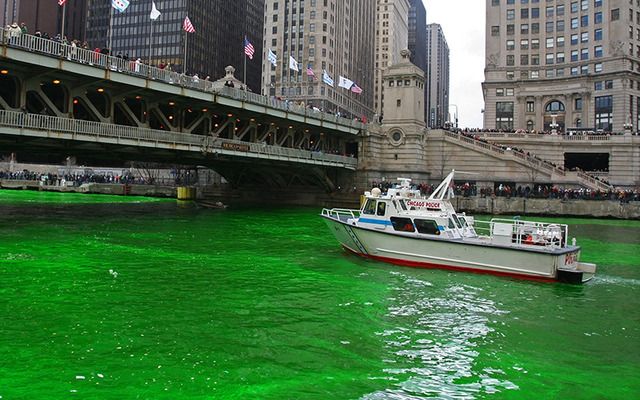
[{"x": 459, "y": 221}]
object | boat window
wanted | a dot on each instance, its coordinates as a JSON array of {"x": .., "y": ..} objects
[
  {"x": 369, "y": 207},
  {"x": 402, "y": 205},
  {"x": 457, "y": 221},
  {"x": 382, "y": 207},
  {"x": 427, "y": 226},
  {"x": 452, "y": 224},
  {"x": 402, "y": 224}
]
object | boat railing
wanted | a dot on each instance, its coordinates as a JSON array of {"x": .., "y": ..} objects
[
  {"x": 341, "y": 214},
  {"x": 534, "y": 233}
]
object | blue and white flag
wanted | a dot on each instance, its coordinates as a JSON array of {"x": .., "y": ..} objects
[
  {"x": 120, "y": 5},
  {"x": 273, "y": 59},
  {"x": 326, "y": 78}
]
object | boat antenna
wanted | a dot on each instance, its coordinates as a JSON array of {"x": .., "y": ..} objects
[{"x": 444, "y": 190}]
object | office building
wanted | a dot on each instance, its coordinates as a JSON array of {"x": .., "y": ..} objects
[
  {"x": 392, "y": 32},
  {"x": 217, "y": 42},
  {"x": 321, "y": 35},
  {"x": 46, "y": 16},
  {"x": 437, "y": 76},
  {"x": 566, "y": 64},
  {"x": 417, "y": 40}
]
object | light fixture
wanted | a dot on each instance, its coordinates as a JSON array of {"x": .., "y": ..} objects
[
  {"x": 170, "y": 117},
  {"x": 138, "y": 97},
  {"x": 171, "y": 103},
  {"x": 4, "y": 71},
  {"x": 204, "y": 110},
  {"x": 75, "y": 101},
  {"x": 229, "y": 115},
  {"x": 100, "y": 90},
  {"x": 56, "y": 81}
]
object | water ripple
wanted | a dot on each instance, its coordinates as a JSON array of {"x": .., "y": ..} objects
[{"x": 433, "y": 345}]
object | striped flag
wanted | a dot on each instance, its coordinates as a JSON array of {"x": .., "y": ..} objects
[
  {"x": 120, "y": 5},
  {"x": 248, "y": 48},
  {"x": 188, "y": 26},
  {"x": 356, "y": 89},
  {"x": 310, "y": 72},
  {"x": 61, "y": 2}
]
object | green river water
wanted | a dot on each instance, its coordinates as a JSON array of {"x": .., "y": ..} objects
[{"x": 127, "y": 298}]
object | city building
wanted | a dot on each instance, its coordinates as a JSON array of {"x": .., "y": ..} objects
[
  {"x": 417, "y": 40},
  {"x": 392, "y": 32},
  {"x": 45, "y": 16},
  {"x": 323, "y": 40},
  {"x": 561, "y": 65},
  {"x": 437, "y": 74},
  {"x": 218, "y": 41}
]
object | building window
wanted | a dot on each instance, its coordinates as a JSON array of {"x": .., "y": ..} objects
[
  {"x": 584, "y": 70},
  {"x": 535, "y": 74},
  {"x": 597, "y": 35},
  {"x": 548, "y": 73},
  {"x": 511, "y": 29},
  {"x": 504, "y": 115},
  {"x": 535, "y": 44},
  {"x": 531, "y": 106},
  {"x": 597, "y": 51},
  {"x": 574, "y": 71},
  {"x": 559, "y": 58},
  {"x": 604, "y": 113},
  {"x": 524, "y": 44},
  {"x": 574, "y": 7},
  {"x": 511, "y": 44},
  {"x": 511, "y": 60},
  {"x": 499, "y": 92},
  {"x": 554, "y": 106},
  {"x": 524, "y": 29},
  {"x": 524, "y": 13},
  {"x": 535, "y": 28},
  {"x": 529, "y": 125},
  {"x": 535, "y": 59},
  {"x": 560, "y": 72},
  {"x": 577, "y": 104},
  {"x": 574, "y": 39},
  {"x": 524, "y": 59},
  {"x": 584, "y": 54},
  {"x": 560, "y": 10},
  {"x": 615, "y": 14},
  {"x": 495, "y": 30},
  {"x": 508, "y": 91},
  {"x": 597, "y": 86},
  {"x": 584, "y": 37},
  {"x": 549, "y": 58},
  {"x": 549, "y": 27},
  {"x": 574, "y": 55},
  {"x": 511, "y": 14},
  {"x": 597, "y": 17},
  {"x": 574, "y": 23},
  {"x": 597, "y": 67},
  {"x": 560, "y": 26},
  {"x": 608, "y": 84}
]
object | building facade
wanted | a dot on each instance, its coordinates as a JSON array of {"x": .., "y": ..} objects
[
  {"x": 417, "y": 40},
  {"x": 218, "y": 41},
  {"x": 437, "y": 74},
  {"x": 46, "y": 16},
  {"x": 392, "y": 32},
  {"x": 567, "y": 64},
  {"x": 320, "y": 35}
]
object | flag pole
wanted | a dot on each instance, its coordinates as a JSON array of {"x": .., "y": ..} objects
[
  {"x": 150, "y": 41},
  {"x": 245, "y": 64},
  {"x": 64, "y": 13},
  {"x": 184, "y": 63},
  {"x": 110, "y": 31}
]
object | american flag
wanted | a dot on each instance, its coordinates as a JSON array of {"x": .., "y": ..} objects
[
  {"x": 248, "y": 48},
  {"x": 356, "y": 89},
  {"x": 310, "y": 72},
  {"x": 188, "y": 26},
  {"x": 61, "y": 2}
]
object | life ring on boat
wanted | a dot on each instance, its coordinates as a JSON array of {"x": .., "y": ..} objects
[{"x": 528, "y": 239}]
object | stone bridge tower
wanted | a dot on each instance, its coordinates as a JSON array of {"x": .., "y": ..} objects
[{"x": 394, "y": 145}]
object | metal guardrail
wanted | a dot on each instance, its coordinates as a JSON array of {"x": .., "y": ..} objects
[
  {"x": 21, "y": 120},
  {"x": 132, "y": 67},
  {"x": 585, "y": 178}
]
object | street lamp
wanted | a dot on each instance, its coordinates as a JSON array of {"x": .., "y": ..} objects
[{"x": 456, "y": 114}]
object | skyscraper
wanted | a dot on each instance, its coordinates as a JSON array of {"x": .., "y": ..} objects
[
  {"x": 437, "y": 76},
  {"x": 562, "y": 64},
  {"x": 392, "y": 31},
  {"x": 45, "y": 16},
  {"x": 418, "y": 40},
  {"x": 218, "y": 41},
  {"x": 315, "y": 36}
]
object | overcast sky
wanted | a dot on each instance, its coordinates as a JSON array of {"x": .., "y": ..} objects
[{"x": 463, "y": 23}]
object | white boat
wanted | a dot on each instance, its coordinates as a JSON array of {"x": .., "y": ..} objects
[{"x": 404, "y": 228}]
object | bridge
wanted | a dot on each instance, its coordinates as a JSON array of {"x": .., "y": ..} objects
[{"x": 62, "y": 100}]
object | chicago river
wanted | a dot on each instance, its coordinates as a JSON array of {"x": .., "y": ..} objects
[{"x": 112, "y": 298}]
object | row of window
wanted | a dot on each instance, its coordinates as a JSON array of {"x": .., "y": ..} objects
[
  {"x": 534, "y": 28},
  {"x": 559, "y": 41},
  {"x": 582, "y": 20},
  {"x": 557, "y": 72},
  {"x": 575, "y": 5}
]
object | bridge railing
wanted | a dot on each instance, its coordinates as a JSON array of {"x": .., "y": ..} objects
[
  {"x": 98, "y": 129},
  {"x": 136, "y": 67}
]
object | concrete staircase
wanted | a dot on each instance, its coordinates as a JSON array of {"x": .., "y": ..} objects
[{"x": 545, "y": 168}]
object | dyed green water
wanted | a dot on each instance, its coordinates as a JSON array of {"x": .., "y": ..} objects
[{"x": 263, "y": 304}]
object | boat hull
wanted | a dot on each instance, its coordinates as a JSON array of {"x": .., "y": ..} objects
[{"x": 457, "y": 254}]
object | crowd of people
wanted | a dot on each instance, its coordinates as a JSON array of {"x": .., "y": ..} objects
[
  {"x": 469, "y": 189},
  {"x": 567, "y": 132},
  {"x": 77, "y": 179}
]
